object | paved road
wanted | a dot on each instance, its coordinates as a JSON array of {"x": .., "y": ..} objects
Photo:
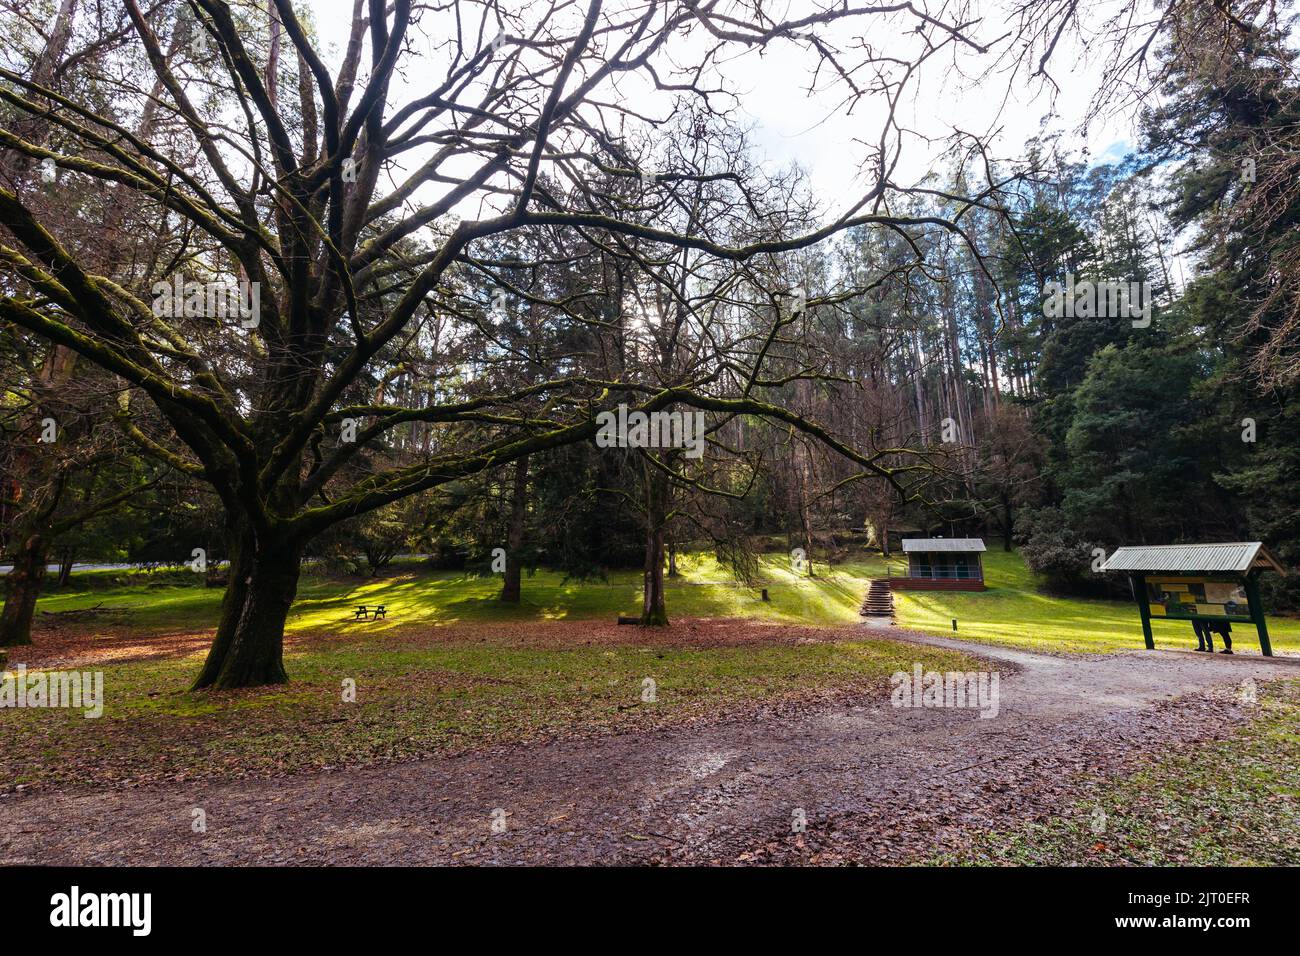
[{"x": 875, "y": 783}]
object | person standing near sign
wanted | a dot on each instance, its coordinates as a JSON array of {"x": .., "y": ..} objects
[
  {"x": 1205, "y": 631},
  {"x": 1225, "y": 632}
]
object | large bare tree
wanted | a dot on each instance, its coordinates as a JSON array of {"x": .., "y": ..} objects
[{"x": 353, "y": 200}]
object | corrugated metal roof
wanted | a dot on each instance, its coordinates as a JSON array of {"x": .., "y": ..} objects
[
  {"x": 943, "y": 544},
  {"x": 1233, "y": 556}
]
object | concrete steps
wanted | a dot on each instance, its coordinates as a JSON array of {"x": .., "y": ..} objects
[{"x": 879, "y": 601}]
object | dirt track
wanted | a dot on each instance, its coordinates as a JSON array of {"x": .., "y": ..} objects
[{"x": 875, "y": 783}]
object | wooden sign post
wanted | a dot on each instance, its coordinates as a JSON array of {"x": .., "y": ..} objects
[
  {"x": 1198, "y": 583},
  {"x": 1231, "y": 598}
]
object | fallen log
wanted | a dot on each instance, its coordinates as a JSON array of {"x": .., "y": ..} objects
[{"x": 88, "y": 611}]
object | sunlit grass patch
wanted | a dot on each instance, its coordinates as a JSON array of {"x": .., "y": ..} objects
[
  {"x": 1014, "y": 611},
  {"x": 416, "y": 596}
]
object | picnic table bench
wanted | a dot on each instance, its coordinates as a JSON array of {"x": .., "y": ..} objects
[{"x": 364, "y": 610}]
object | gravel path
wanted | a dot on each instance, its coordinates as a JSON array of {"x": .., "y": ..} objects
[{"x": 875, "y": 783}]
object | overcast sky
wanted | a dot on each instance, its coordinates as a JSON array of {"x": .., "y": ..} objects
[{"x": 817, "y": 133}]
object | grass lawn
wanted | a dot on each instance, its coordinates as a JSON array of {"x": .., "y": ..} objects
[
  {"x": 450, "y": 668},
  {"x": 1014, "y": 611},
  {"x": 416, "y": 698},
  {"x": 414, "y": 596},
  {"x": 1231, "y": 803}
]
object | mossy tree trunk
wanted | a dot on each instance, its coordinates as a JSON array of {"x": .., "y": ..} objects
[
  {"x": 22, "y": 588},
  {"x": 511, "y": 588},
  {"x": 249, "y": 646},
  {"x": 654, "y": 613}
]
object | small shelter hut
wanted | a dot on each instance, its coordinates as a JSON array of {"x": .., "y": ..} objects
[
  {"x": 942, "y": 564},
  {"x": 1198, "y": 582}
]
